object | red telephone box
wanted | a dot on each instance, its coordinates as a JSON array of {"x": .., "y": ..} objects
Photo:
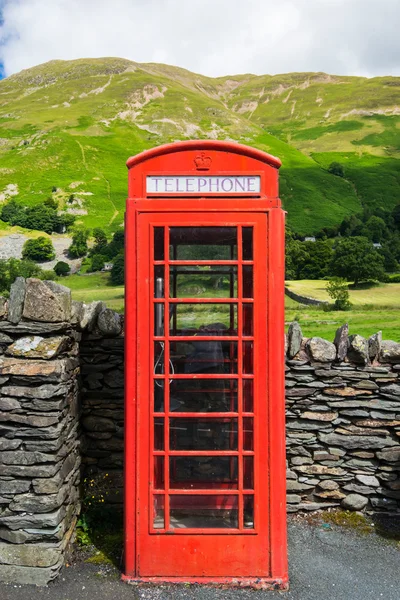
[{"x": 205, "y": 440}]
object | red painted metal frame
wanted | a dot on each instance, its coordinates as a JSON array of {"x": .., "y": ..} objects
[{"x": 269, "y": 557}]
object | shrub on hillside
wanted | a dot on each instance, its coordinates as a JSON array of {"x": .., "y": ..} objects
[
  {"x": 118, "y": 270},
  {"x": 336, "y": 169},
  {"x": 97, "y": 263},
  {"x": 62, "y": 268},
  {"x": 79, "y": 246},
  {"x": 39, "y": 249},
  {"x": 42, "y": 216}
]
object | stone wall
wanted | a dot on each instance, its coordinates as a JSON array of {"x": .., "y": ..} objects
[
  {"x": 343, "y": 422},
  {"x": 303, "y": 299},
  {"x": 102, "y": 371},
  {"x": 343, "y": 419},
  {"x": 39, "y": 420}
]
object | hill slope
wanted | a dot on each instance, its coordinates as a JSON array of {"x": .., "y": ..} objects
[{"x": 70, "y": 126}]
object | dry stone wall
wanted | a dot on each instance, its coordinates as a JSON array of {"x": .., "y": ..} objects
[
  {"x": 39, "y": 422},
  {"x": 343, "y": 419},
  {"x": 343, "y": 422}
]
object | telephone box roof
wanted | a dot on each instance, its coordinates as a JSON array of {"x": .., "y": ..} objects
[{"x": 221, "y": 146}]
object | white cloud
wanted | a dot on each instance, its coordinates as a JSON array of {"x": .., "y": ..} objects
[{"x": 213, "y": 37}]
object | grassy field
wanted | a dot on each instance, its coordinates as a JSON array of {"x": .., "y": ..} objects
[
  {"x": 386, "y": 294},
  {"x": 87, "y": 288},
  {"x": 373, "y": 309}
]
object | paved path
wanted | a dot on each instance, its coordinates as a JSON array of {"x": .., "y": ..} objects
[{"x": 325, "y": 564}]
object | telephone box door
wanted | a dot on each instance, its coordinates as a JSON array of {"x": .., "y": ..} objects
[{"x": 203, "y": 451}]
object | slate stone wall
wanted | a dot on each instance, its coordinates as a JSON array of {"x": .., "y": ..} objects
[
  {"x": 343, "y": 419},
  {"x": 39, "y": 424},
  {"x": 343, "y": 422},
  {"x": 102, "y": 372}
]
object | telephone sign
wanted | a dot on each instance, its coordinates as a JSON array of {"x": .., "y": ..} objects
[{"x": 205, "y": 439}]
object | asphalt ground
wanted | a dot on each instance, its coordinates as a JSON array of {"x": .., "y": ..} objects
[{"x": 325, "y": 562}]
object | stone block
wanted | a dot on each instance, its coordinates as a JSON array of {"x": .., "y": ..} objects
[
  {"x": 46, "y": 301},
  {"x": 109, "y": 322},
  {"x": 354, "y": 442},
  {"x": 390, "y": 352},
  {"x": 40, "y": 576},
  {"x": 294, "y": 339},
  {"x": 358, "y": 350},
  {"x": 354, "y": 502},
  {"x": 38, "y": 347},
  {"x": 29, "y": 555},
  {"x": 16, "y": 301},
  {"x": 321, "y": 350},
  {"x": 341, "y": 341}
]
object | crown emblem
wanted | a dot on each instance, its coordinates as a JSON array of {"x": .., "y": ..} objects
[{"x": 202, "y": 162}]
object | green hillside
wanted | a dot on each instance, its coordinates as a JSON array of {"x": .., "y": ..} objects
[{"x": 67, "y": 128}]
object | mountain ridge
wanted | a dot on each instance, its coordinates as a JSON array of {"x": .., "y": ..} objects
[{"x": 78, "y": 121}]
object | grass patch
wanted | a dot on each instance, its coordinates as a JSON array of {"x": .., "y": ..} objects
[
  {"x": 349, "y": 520},
  {"x": 96, "y": 286}
]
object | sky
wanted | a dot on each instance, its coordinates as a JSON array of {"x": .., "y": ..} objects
[{"x": 211, "y": 37}]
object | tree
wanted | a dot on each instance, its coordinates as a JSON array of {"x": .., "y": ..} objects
[
  {"x": 317, "y": 263},
  {"x": 337, "y": 289},
  {"x": 336, "y": 169},
  {"x": 11, "y": 212},
  {"x": 118, "y": 270},
  {"x": 51, "y": 203},
  {"x": 375, "y": 229},
  {"x": 100, "y": 240},
  {"x": 62, "y": 268},
  {"x": 41, "y": 217},
  {"x": 97, "y": 263},
  {"x": 115, "y": 246},
  {"x": 395, "y": 215},
  {"x": 356, "y": 260},
  {"x": 39, "y": 249},
  {"x": 13, "y": 267},
  {"x": 79, "y": 246},
  {"x": 296, "y": 256}
]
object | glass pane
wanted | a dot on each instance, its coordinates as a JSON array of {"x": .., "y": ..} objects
[
  {"x": 158, "y": 243},
  {"x": 158, "y": 472},
  {"x": 247, "y": 243},
  {"x": 204, "y": 512},
  {"x": 203, "y": 319},
  {"x": 203, "y": 282},
  {"x": 203, "y": 472},
  {"x": 248, "y": 395},
  {"x": 159, "y": 395},
  {"x": 158, "y": 512},
  {"x": 248, "y": 358},
  {"x": 158, "y": 434},
  {"x": 158, "y": 281},
  {"x": 248, "y": 433},
  {"x": 248, "y": 509},
  {"x": 203, "y": 243},
  {"x": 247, "y": 281},
  {"x": 159, "y": 319},
  {"x": 203, "y": 395},
  {"x": 159, "y": 366},
  {"x": 248, "y": 472},
  {"x": 247, "y": 319},
  {"x": 211, "y": 357},
  {"x": 203, "y": 434}
]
